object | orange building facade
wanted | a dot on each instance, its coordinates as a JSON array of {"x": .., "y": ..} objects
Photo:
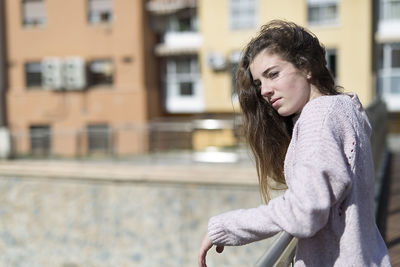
[{"x": 80, "y": 76}]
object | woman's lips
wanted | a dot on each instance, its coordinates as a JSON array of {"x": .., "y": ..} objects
[{"x": 275, "y": 102}]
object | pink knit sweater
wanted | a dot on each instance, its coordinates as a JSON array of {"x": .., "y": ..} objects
[{"x": 328, "y": 205}]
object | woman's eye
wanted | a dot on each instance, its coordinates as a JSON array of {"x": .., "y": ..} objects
[{"x": 272, "y": 75}]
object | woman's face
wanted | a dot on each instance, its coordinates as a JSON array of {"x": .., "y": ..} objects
[{"x": 284, "y": 86}]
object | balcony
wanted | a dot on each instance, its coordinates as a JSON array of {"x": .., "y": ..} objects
[
  {"x": 176, "y": 43},
  {"x": 162, "y": 7},
  {"x": 389, "y": 20}
]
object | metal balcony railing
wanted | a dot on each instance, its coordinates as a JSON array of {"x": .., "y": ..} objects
[{"x": 169, "y": 6}]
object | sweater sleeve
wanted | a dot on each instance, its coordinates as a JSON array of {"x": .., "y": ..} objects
[{"x": 319, "y": 176}]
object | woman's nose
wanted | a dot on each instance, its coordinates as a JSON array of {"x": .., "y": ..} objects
[{"x": 266, "y": 90}]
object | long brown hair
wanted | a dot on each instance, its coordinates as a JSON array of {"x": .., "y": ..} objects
[{"x": 268, "y": 133}]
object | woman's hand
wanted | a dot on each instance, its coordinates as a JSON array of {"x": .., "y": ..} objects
[{"x": 205, "y": 247}]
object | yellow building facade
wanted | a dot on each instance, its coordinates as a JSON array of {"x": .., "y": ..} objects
[{"x": 344, "y": 27}]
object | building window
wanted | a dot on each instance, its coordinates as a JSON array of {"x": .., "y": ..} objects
[
  {"x": 390, "y": 9},
  {"x": 234, "y": 59},
  {"x": 395, "y": 56},
  {"x": 233, "y": 69},
  {"x": 243, "y": 14},
  {"x": 40, "y": 140},
  {"x": 100, "y": 11},
  {"x": 182, "y": 73},
  {"x": 186, "y": 89},
  {"x": 33, "y": 74},
  {"x": 101, "y": 72},
  {"x": 98, "y": 138},
  {"x": 389, "y": 74},
  {"x": 331, "y": 61},
  {"x": 186, "y": 22},
  {"x": 33, "y": 13},
  {"x": 322, "y": 12},
  {"x": 390, "y": 56},
  {"x": 184, "y": 77},
  {"x": 183, "y": 85}
]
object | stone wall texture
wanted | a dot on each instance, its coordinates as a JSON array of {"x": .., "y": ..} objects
[{"x": 73, "y": 223}]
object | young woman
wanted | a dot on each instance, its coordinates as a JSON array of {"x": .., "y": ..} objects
[{"x": 304, "y": 133}]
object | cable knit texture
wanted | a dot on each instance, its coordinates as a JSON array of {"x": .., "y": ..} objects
[{"x": 328, "y": 205}]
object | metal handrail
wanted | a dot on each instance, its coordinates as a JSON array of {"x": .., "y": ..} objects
[{"x": 280, "y": 253}]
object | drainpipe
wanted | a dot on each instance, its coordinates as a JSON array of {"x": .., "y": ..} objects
[{"x": 5, "y": 140}]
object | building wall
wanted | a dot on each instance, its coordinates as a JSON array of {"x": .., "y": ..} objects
[
  {"x": 67, "y": 32},
  {"x": 351, "y": 37}
]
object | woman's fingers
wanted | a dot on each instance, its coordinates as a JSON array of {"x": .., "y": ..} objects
[{"x": 205, "y": 246}]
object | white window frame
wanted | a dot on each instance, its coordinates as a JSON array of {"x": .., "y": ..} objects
[
  {"x": 176, "y": 102},
  {"x": 322, "y": 6},
  {"x": 386, "y": 75},
  {"x": 243, "y": 14}
]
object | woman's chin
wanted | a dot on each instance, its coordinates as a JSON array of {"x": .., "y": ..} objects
[{"x": 283, "y": 113}]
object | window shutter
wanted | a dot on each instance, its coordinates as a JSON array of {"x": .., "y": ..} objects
[
  {"x": 100, "y": 6},
  {"x": 34, "y": 10}
]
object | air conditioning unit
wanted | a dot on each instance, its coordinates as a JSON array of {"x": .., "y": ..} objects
[
  {"x": 216, "y": 61},
  {"x": 74, "y": 73},
  {"x": 52, "y": 73}
]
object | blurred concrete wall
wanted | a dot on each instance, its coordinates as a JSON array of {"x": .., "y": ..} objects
[{"x": 71, "y": 223}]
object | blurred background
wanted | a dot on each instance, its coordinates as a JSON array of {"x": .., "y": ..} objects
[{"x": 120, "y": 124}]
